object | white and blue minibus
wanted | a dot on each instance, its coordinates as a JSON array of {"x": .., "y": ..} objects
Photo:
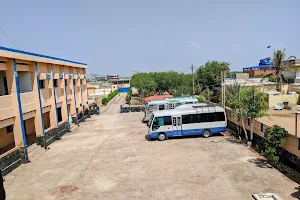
[
  {"x": 194, "y": 120},
  {"x": 166, "y": 104}
]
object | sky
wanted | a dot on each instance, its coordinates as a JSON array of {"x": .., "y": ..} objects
[{"x": 124, "y": 36}]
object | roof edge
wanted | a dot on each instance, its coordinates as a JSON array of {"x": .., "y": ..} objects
[{"x": 39, "y": 55}]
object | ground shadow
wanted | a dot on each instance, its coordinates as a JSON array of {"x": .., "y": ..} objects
[
  {"x": 297, "y": 193},
  {"x": 231, "y": 140},
  {"x": 183, "y": 137},
  {"x": 262, "y": 163},
  {"x": 147, "y": 137},
  {"x": 282, "y": 168}
]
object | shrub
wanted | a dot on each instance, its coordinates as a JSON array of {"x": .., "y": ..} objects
[
  {"x": 128, "y": 96},
  {"x": 109, "y": 97},
  {"x": 274, "y": 138},
  {"x": 105, "y": 101}
]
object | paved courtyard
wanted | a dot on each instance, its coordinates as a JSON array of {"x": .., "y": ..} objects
[{"x": 108, "y": 157}]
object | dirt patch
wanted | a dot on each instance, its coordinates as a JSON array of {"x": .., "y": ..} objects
[{"x": 63, "y": 190}]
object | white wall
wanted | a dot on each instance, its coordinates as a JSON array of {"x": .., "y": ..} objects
[
  {"x": 289, "y": 74},
  {"x": 102, "y": 91},
  {"x": 25, "y": 81}
]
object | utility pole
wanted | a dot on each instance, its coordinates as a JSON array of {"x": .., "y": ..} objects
[
  {"x": 222, "y": 89},
  {"x": 193, "y": 79}
]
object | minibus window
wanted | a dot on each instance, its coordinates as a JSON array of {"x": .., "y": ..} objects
[{"x": 161, "y": 107}]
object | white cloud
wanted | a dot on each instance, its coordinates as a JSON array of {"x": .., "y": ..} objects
[{"x": 194, "y": 43}]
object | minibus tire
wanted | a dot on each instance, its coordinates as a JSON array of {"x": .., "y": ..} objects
[
  {"x": 206, "y": 133},
  {"x": 162, "y": 138}
]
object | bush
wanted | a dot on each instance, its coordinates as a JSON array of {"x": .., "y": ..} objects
[
  {"x": 128, "y": 96},
  {"x": 105, "y": 101},
  {"x": 274, "y": 138},
  {"x": 109, "y": 97},
  {"x": 201, "y": 99}
]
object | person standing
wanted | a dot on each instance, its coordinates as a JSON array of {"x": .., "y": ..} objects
[{"x": 2, "y": 191}]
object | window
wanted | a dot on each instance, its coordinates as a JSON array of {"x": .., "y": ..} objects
[
  {"x": 188, "y": 119},
  {"x": 210, "y": 117},
  {"x": 59, "y": 116},
  {"x": 5, "y": 85},
  {"x": 188, "y": 102},
  {"x": 177, "y": 104},
  {"x": 55, "y": 83},
  {"x": 66, "y": 82},
  {"x": 42, "y": 84},
  {"x": 161, "y": 107},
  {"x": 178, "y": 121},
  {"x": 171, "y": 106},
  {"x": 9, "y": 129},
  {"x": 194, "y": 118},
  {"x": 203, "y": 117},
  {"x": 220, "y": 116},
  {"x": 155, "y": 125},
  {"x": 167, "y": 120},
  {"x": 185, "y": 119},
  {"x": 25, "y": 81}
]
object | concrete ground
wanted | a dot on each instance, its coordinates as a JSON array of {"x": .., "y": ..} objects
[{"x": 108, "y": 157}]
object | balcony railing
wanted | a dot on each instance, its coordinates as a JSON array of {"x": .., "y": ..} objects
[
  {"x": 28, "y": 102},
  {"x": 46, "y": 94},
  {"x": 59, "y": 94},
  {"x": 69, "y": 93},
  {"x": 6, "y": 107}
]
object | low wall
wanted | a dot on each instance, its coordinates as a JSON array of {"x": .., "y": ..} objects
[
  {"x": 53, "y": 134},
  {"x": 290, "y": 149},
  {"x": 13, "y": 160},
  {"x": 132, "y": 109}
]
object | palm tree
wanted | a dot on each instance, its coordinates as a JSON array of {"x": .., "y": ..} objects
[{"x": 280, "y": 65}]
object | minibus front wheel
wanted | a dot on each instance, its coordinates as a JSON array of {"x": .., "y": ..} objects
[
  {"x": 161, "y": 136},
  {"x": 206, "y": 133}
]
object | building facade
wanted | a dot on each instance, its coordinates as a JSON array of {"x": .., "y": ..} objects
[
  {"x": 293, "y": 74},
  {"x": 38, "y": 96},
  {"x": 112, "y": 77}
]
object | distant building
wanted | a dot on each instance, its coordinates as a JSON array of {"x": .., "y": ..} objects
[
  {"x": 100, "y": 78},
  {"x": 112, "y": 77},
  {"x": 123, "y": 85},
  {"x": 293, "y": 74},
  {"x": 91, "y": 89},
  {"x": 265, "y": 67}
]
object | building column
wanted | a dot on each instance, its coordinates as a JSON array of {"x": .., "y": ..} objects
[
  {"x": 53, "y": 111},
  {"x": 64, "y": 107},
  {"x": 13, "y": 86},
  {"x": 74, "y": 89},
  {"x": 38, "y": 120}
]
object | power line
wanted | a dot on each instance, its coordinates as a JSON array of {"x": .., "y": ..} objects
[{"x": 9, "y": 38}]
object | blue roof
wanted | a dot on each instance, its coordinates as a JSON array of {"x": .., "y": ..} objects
[
  {"x": 259, "y": 67},
  {"x": 39, "y": 55}
]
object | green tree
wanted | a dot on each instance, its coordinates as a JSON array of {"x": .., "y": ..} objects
[
  {"x": 253, "y": 106},
  {"x": 209, "y": 75},
  {"x": 207, "y": 94},
  {"x": 173, "y": 82},
  {"x": 274, "y": 137},
  {"x": 280, "y": 64},
  {"x": 234, "y": 102}
]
